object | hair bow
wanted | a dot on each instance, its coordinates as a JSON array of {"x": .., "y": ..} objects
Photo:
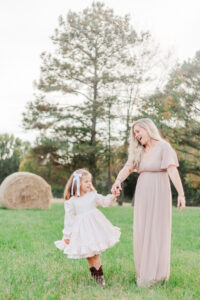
[{"x": 76, "y": 179}]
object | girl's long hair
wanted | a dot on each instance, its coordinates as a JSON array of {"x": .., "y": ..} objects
[
  {"x": 67, "y": 191},
  {"x": 135, "y": 148}
]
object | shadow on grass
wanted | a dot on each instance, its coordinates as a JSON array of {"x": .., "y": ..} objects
[{"x": 1, "y": 207}]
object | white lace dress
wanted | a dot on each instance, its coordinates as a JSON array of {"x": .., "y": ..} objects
[{"x": 89, "y": 231}]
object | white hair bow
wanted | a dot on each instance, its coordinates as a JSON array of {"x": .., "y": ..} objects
[{"x": 76, "y": 179}]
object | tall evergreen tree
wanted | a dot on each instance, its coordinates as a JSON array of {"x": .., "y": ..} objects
[{"x": 93, "y": 56}]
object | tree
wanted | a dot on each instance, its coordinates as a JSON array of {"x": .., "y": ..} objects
[
  {"x": 11, "y": 152},
  {"x": 176, "y": 111},
  {"x": 94, "y": 55},
  {"x": 44, "y": 165}
]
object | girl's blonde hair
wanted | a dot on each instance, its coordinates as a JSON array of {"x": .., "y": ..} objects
[
  {"x": 135, "y": 148},
  {"x": 67, "y": 191}
]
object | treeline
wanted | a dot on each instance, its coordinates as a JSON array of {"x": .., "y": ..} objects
[
  {"x": 12, "y": 151},
  {"x": 103, "y": 75}
]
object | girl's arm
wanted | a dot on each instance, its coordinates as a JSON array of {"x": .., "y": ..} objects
[
  {"x": 122, "y": 175},
  {"x": 68, "y": 220},
  {"x": 105, "y": 201},
  {"x": 175, "y": 178}
]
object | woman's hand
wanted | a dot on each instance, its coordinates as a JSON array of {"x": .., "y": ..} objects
[
  {"x": 181, "y": 202},
  {"x": 116, "y": 188},
  {"x": 67, "y": 241}
]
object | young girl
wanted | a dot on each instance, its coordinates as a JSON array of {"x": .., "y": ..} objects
[{"x": 86, "y": 231}]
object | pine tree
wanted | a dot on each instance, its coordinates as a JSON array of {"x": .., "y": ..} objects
[{"x": 93, "y": 56}]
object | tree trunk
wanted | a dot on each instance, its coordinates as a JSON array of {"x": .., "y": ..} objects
[
  {"x": 109, "y": 149},
  {"x": 93, "y": 162},
  {"x": 121, "y": 197}
]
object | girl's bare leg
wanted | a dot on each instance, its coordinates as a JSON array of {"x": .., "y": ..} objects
[
  {"x": 94, "y": 261},
  {"x": 97, "y": 261},
  {"x": 90, "y": 261}
]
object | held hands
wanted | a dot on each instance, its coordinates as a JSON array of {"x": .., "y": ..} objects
[
  {"x": 116, "y": 188},
  {"x": 67, "y": 241},
  {"x": 115, "y": 193},
  {"x": 181, "y": 202}
]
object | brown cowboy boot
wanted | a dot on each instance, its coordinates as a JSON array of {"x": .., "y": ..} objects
[
  {"x": 93, "y": 272},
  {"x": 98, "y": 275}
]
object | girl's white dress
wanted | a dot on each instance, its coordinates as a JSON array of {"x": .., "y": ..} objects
[{"x": 89, "y": 231}]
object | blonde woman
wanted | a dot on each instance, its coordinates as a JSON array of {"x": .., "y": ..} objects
[{"x": 155, "y": 160}]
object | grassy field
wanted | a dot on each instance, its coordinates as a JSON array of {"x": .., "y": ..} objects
[{"x": 32, "y": 267}]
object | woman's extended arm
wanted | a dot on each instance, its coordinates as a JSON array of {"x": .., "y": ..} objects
[
  {"x": 175, "y": 178},
  {"x": 122, "y": 175}
]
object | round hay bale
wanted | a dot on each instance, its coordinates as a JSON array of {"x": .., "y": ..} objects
[{"x": 24, "y": 190}]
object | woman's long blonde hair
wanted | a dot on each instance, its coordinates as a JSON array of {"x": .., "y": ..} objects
[
  {"x": 67, "y": 191},
  {"x": 135, "y": 148}
]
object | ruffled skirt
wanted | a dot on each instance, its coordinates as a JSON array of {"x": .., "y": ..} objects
[{"x": 92, "y": 234}]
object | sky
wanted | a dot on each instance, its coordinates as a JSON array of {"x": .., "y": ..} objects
[{"x": 26, "y": 27}]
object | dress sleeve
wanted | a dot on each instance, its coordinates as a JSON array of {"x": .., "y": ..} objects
[
  {"x": 104, "y": 201},
  {"x": 68, "y": 219},
  {"x": 169, "y": 157}
]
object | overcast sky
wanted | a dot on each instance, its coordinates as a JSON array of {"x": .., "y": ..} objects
[{"x": 26, "y": 27}]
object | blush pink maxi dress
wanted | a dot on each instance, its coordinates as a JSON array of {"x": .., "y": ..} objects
[{"x": 152, "y": 216}]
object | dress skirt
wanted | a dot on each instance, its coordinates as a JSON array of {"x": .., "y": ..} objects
[
  {"x": 92, "y": 233},
  {"x": 152, "y": 227}
]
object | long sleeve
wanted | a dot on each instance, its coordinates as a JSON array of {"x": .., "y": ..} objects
[
  {"x": 104, "y": 201},
  {"x": 124, "y": 172},
  {"x": 68, "y": 219}
]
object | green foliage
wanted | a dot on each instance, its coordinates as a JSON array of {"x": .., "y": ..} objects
[
  {"x": 97, "y": 54},
  {"x": 129, "y": 186},
  {"x": 39, "y": 161},
  {"x": 32, "y": 267},
  {"x": 175, "y": 110},
  {"x": 11, "y": 152},
  {"x": 57, "y": 190},
  {"x": 192, "y": 194},
  {"x": 90, "y": 90}
]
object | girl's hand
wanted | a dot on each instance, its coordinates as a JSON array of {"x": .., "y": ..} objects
[
  {"x": 116, "y": 188},
  {"x": 116, "y": 193},
  {"x": 181, "y": 202},
  {"x": 67, "y": 241}
]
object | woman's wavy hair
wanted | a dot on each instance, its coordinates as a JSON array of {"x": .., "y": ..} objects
[
  {"x": 67, "y": 191},
  {"x": 135, "y": 148}
]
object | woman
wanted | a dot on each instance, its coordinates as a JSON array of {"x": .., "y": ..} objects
[{"x": 154, "y": 159}]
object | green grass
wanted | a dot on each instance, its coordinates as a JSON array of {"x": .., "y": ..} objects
[{"x": 31, "y": 267}]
